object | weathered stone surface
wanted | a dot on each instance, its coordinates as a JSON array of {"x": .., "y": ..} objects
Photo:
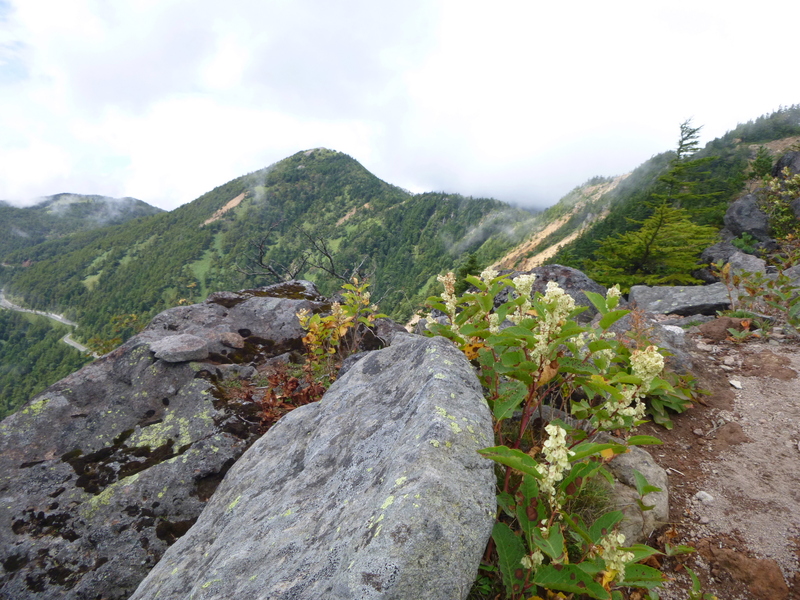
[
  {"x": 670, "y": 337},
  {"x": 681, "y": 300},
  {"x": 744, "y": 216},
  {"x": 377, "y": 491},
  {"x": 572, "y": 281},
  {"x": 719, "y": 252},
  {"x": 791, "y": 160},
  {"x": 265, "y": 323},
  {"x": 740, "y": 261},
  {"x": 638, "y": 524},
  {"x": 105, "y": 469},
  {"x": 180, "y": 348}
]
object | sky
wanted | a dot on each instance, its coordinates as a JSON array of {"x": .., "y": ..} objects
[{"x": 520, "y": 100}]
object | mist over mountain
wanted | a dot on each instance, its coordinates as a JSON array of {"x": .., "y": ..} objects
[{"x": 62, "y": 214}]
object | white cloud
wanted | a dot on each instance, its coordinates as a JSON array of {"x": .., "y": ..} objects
[{"x": 522, "y": 100}]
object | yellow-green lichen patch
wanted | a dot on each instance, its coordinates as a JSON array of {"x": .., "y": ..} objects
[
  {"x": 208, "y": 583},
  {"x": 287, "y": 513},
  {"x": 158, "y": 434},
  {"x": 430, "y": 350},
  {"x": 434, "y": 443},
  {"x": 448, "y": 362},
  {"x": 387, "y": 503},
  {"x": 104, "y": 497},
  {"x": 454, "y": 426},
  {"x": 439, "y": 376},
  {"x": 400, "y": 481},
  {"x": 36, "y": 408},
  {"x": 233, "y": 504}
]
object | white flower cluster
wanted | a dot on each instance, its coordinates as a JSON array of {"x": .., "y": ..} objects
[
  {"x": 557, "y": 456},
  {"x": 449, "y": 298},
  {"x": 533, "y": 561},
  {"x": 548, "y": 328},
  {"x": 523, "y": 284},
  {"x": 613, "y": 292},
  {"x": 494, "y": 323},
  {"x": 488, "y": 274},
  {"x": 564, "y": 304},
  {"x": 646, "y": 364},
  {"x": 615, "y": 558}
]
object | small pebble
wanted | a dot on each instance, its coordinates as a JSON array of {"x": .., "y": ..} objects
[
  {"x": 704, "y": 497},
  {"x": 704, "y": 520},
  {"x": 735, "y": 383},
  {"x": 698, "y": 432}
]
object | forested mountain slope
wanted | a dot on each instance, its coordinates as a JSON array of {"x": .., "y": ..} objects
[
  {"x": 571, "y": 231},
  {"x": 319, "y": 196},
  {"x": 724, "y": 167}
]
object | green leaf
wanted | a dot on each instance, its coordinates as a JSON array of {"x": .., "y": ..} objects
[
  {"x": 644, "y": 440},
  {"x": 510, "y": 551},
  {"x": 637, "y": 575},
  {"x": 510, "y": 398},
  {"x": 507, "y": 503},
  {"x": 529, "y": 487},
  {"x": 516, "y": 459},
  {"x": 569, "y": 578},
  {"x": 641, "y": 552},
  {"x": 612, "y": 317},
  {"x": 604, "y": 525},
  {"x": 598, "y": 301},
  {"x": 642, "y": 485},
  {"x": 553, "y": 545},
  {"x": 671, "y": 550},
  {"x": 589, "y": 449}
]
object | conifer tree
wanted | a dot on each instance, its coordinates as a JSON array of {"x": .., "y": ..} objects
[
  {"x": 680, "y": 183},
  {"x": 662, "y": 252}
]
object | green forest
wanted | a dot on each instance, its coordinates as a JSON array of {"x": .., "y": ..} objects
[{"x": 32, "y": 357}]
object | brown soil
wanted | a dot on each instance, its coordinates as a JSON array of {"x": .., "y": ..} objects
[{"x": 741, "y": 446}]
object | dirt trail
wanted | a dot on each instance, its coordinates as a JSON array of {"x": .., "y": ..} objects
[{"x": 742, "y": 449}]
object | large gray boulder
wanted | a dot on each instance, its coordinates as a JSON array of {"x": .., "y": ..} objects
[
  {"x": 681, "y": 300},
  {"x": 377, "y": 491},
  {"x": 639, "y": 524},
  {"x": 744, "y": 216},
  {"x": 791, "y": 160},
  {"x": 104, "y": 470}
]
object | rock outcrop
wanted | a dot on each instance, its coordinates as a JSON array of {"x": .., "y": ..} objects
[
  {"x": 744, "y": 216},
  {"x": 681, "y": 300},
  {"x": 108, "y": 467},
  {"x": 376, "y": 491}
]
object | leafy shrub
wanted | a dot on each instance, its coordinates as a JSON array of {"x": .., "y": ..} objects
[
  {"x": 533, "y": 357},
  {"x": 327, "y": 341}
]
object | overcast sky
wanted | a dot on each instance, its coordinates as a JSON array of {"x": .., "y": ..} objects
[{"x": 520, "y": 100}]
